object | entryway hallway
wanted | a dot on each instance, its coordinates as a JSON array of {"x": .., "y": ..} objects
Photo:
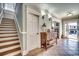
[{"x": 39, "y": 29}]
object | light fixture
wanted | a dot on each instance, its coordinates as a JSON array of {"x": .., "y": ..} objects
[
  {"x": 44, "y": 25},
  {"x": 50, "y": 19},
  {"x": 49, "y": 16},
  {"x": 42, "y": 12},
  {"x": 43, "y": 16},
  {"x": 69, "y": 14}
]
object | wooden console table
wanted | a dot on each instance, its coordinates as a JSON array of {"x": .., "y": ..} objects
[{"x": 45, "y": 42}]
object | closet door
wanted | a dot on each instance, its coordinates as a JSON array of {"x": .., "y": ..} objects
[{"x": 33, "y": 31}]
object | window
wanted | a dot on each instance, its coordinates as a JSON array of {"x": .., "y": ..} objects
[{"x": 9, "y": 6}]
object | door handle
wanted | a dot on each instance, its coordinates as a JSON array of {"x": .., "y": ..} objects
[{"x": 37, "y": 33}]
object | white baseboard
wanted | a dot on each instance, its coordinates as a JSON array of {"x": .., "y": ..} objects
[
  {"x": 24, "y": 53},
  {"x": 0, "y": 21}
]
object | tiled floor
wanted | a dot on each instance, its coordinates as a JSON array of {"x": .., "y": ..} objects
[{"x": 65, "y": 47}]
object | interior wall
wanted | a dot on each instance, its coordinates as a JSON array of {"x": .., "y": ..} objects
[
  {"x": 1, "y": 15},
  {"x": 19, "y": 22},
  {"x": 18, "y": 11},
  {"x": 46, "y": 21},
  {"x": 0, "y": 7},
  {"x": 8, "y": 14}
]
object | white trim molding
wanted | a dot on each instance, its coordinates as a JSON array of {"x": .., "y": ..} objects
[
  {"x": 19, "y": 32},
  {"x": 24, "y": 32},
  {"x": 25, "y": 53},
  {"x": 1, "y": 16}
]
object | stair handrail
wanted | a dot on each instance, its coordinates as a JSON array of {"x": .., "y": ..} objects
[
  {"x": 1, "y": 15},
  {"x": 19, "y": 30},
  {"x": 17, "y": 24}
]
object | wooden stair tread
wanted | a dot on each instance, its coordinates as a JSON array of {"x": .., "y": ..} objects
[
  {"x": 16, "y": 53},
  {"x": 2, "y": 35},
  {"x": 8, "y": 43},
  {"x": 6, "y": 26},
  {"x": 9, "y": 48},
  {"x": 9, "y": 38},
  {"x": 8, "y": 30},
  {"x": 11, "y": 51},
  {"x": 9, "y": 33},
  {"x": 6, "y": 46}
]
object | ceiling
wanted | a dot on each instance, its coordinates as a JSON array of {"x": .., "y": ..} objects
[{"x": 58, "y": 9}]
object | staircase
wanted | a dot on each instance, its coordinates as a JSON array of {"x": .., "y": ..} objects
[{"x": 9, "y": 41}]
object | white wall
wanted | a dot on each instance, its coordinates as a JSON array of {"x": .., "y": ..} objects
[
  {"x": 1, "y": 12},
  {"x": 8, "y": 14},
  {"x": 46, "y": 21},
  {"x": 19, "y": 23}
]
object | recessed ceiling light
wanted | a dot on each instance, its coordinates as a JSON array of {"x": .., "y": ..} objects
[{"x": 69, "y": 14}]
